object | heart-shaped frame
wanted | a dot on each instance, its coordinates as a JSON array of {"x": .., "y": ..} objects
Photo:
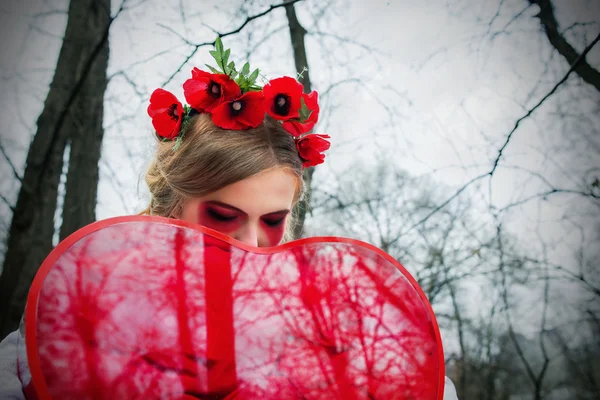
[{"x": 320, "y": 318}]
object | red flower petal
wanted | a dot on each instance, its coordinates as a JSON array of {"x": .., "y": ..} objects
[
  {"x": 250, "y": 115},
  {"x": 160, "y": 101},
  {"x": 282, "y": 97},
  {"x": 297, "y": 127},
  {"x": 166, "y": 113},
  {"x": 310, "y": 148},
  {"x": 205, "y": 91},
  {"x": 165, "y": 126},
  {"x": 312, "y": 103},
  {"x": 229, "y": 87}
]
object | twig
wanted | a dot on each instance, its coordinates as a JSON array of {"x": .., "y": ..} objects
[
  {"x": 508, "y": 138},
  {"x": 349, "y": 40},
  {"x": 509, "y": 23},
  {"x": 496, "y": 15},
  {"x": 448, "y": 200},
  {"x": 176, "y": 34},
  {"x": 531, "y": 110},
  {"x": 140, "y": 62},
  {"x": 222, "y": 35},
  {"x": 545, "y": 194},
  {"x": 7, "y": 202},
  {"x": 12, "y": 166}
]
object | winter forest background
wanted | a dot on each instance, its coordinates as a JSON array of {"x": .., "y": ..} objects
[{"x": 465, "y": 143}]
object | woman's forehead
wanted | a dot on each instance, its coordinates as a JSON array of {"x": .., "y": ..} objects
[{"x": 267, "y": 192}]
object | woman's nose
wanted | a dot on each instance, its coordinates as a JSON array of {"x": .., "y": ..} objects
[{"x": 248, "y": 235}]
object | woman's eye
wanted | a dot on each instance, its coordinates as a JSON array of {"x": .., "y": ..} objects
[
  {"x": 220, "y": 217},
  {"x": 273, "y": 222}
]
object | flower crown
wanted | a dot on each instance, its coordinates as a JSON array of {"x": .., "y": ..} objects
[{"x": 236, "y": 102}]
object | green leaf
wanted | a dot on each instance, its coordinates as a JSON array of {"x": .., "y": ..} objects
[
  {"x": 304, "y": 112},
  {"x": 177, "y": 143},
  {"x": 253, "y": 76},
  {"x": 245, "y": 69},
  {"x": 226, "y": 56},
  {"x": 242, "y": 82},
  {"x": 214, "y": 70},
  {"x": 230, "y": 68},
  {"x": 219, "y": 45},
  {"x": 217, "y": 56}
]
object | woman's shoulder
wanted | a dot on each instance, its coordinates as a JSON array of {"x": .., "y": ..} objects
[
  {"x": 10, "y": 385},
  {"x": 449, "y": 390}
]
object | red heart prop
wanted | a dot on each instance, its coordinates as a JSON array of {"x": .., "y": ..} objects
[{"x": 152, "y": 308}]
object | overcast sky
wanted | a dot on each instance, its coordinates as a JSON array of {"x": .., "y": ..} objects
[{"x": 441, "y": 85}]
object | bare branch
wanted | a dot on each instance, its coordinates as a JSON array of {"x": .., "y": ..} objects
[
  {"x": 216, "y": 32},
  {"x": 545, "y": 194},
  {"x": 342, "y": 39},
  {"x": 12, "y": 166},
  {"x": 44, "y": 32},
  {"x": 509, "y": 23},
  {"x": 222, "y": 35},
  {"x": 114, "y": 179},
  {"x": 532, "y": 110},
  {"x": 135, "y": 64},
  {"x": 520, "y": 353},
  {"x": 8, "y": 203},
  {"x": 341, "y": 82},
  {"x": 130, "y": 81},
  {"x": 558, "y": 41},
  {"x": 447, "y": 201},
  {"x": 176, "y": 34},
  {"x": 496, "y": 15},
  {"x": 49, "y": 13},
  {"x": 256, "y": 43}
]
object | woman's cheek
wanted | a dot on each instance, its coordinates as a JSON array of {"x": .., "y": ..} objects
[{"x": 274, "y": 234}]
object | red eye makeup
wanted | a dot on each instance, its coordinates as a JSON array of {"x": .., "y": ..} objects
[
  {"x": 274, "y": 226},
  {"x": 220, "y": 217},
  {"x": 274, "y": 219},
  {"x": 227, "y": 219}
]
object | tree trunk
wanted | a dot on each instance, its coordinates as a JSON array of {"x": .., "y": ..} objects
[
  {"x": 297, "y": 34},
  {"x": 72, "y": 112},
  {"x": 79, "y": 207}
]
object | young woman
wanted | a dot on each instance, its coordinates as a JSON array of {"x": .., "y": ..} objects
[
  {"x": 241, "y": 182},
  {"x": 232, "y": 161}
]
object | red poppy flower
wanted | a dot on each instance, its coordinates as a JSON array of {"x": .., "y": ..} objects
[
  {"x": 166, "y": 113},
  {"x": 282, "y": 98},
  {"x": 307, "y": 117},
  {"x": 205, "y": 91},
  {"x": 247, "y": 111},
  {"x": 310, "y": 148}
]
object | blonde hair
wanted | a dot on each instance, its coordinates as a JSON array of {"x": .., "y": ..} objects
[{"x": 210, "y": 158}]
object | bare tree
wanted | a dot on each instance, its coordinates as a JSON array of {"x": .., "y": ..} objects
[
  {"x": 297, "y": 35},
  {"x": 72, "y": 116}
]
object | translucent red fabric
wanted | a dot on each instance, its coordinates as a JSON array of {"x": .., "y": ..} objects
[{"x": 150, "y": 308}]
